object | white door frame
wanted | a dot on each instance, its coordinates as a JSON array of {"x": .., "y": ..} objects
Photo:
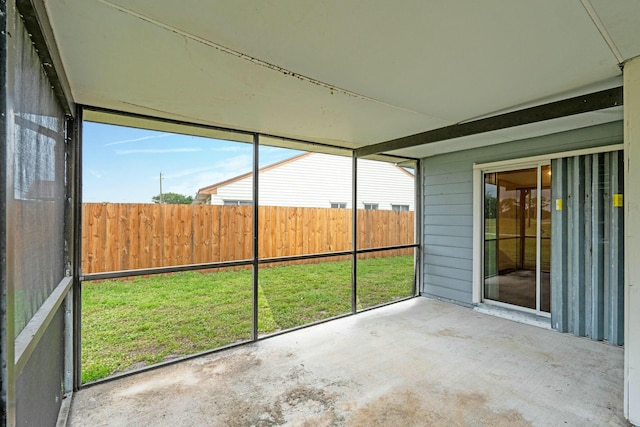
[
  {"x": 478, "y": 203},
  {"x": 511, "y": 166}
]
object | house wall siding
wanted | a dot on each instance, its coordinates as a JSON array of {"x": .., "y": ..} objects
[
  {"x": 322, "y": 179},
  {"x": 448, "y": 203}
]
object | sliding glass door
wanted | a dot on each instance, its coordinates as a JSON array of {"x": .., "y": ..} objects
[{"x": 517, "y": 231}]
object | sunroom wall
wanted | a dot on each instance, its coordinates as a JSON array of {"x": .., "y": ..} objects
[{"x": 447, "y": 189}]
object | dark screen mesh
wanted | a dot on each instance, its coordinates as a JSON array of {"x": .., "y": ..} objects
[
  {"x": 36, "y": 213},
  {"x": 35, "y": 201}
]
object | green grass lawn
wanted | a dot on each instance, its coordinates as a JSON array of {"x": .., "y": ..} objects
[{"x": 132, "y": 323}]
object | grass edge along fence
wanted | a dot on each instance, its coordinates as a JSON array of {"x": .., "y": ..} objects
[
  {"x": 127, "y": 236},
  {"x": 128, "y": 324}
]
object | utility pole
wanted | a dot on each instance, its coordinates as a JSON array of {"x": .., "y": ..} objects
[{"x": 161, "y": 200}]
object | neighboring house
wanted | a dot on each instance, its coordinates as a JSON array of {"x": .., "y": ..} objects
[{"x": 320, "y": 181}]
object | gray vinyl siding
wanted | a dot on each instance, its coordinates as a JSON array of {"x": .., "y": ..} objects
[{"x": 447, "y": 190}]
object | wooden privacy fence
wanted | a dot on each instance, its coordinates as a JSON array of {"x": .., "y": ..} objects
[{"x": 124, "y": 236}]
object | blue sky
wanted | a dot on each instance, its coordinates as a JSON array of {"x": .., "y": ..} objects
[{"x": 123, "y": 164}]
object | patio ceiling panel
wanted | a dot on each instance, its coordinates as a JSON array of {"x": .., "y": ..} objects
[
  {"x": 344, "y": 73},
  {"x": 620, "y": 21},
  {"x": 453, "y": 60},
  {"x": 124, "y": 63}
]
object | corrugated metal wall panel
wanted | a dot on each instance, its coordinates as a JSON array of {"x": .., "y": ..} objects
[
  {"x": 597, "y": 255},
  {"x": 615, "y": 258},
  {"x": 587, "y": 246},
  {"x": 559, "y": 247}
]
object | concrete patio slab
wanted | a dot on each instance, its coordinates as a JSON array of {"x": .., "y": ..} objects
[{"x": 416, "y": 363}]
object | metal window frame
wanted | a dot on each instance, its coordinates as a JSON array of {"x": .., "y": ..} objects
[
  {"x": 354, "y": 232},
  {"x": 75, "y": 305},
  {"x": 17, "y": 350},
  {"x": 514, "y": 166},
  {"x": 255, "y": 262},
  {"x": 7, "y": 412},
  {"x": 399, "y": 206},
  {"x": 237, "y": 202}
]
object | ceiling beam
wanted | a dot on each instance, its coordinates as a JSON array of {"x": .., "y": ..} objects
[{"x": 567, "y": 107}]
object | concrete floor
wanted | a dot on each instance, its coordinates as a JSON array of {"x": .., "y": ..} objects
[
  {"x": 519, "y": 288},
  {"x": 416, "y": 363}
]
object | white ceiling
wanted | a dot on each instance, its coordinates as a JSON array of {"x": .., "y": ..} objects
[{"x": 347, "y": 73}]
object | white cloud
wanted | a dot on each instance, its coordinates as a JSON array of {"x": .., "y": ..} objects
[
  {"x": 157, "y": 150},
  {"x": 194, "y": 179},
  {"x": 231, "y": 167},
  {"x": 164, "y": 135},
  {"x": 95, "y": 173},
  {"x": 237, "y": 164}
]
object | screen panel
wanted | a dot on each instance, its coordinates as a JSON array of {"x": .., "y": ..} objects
[
  {"x": 157, "y": 199},
  {"x": 36, "y": 209}
]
